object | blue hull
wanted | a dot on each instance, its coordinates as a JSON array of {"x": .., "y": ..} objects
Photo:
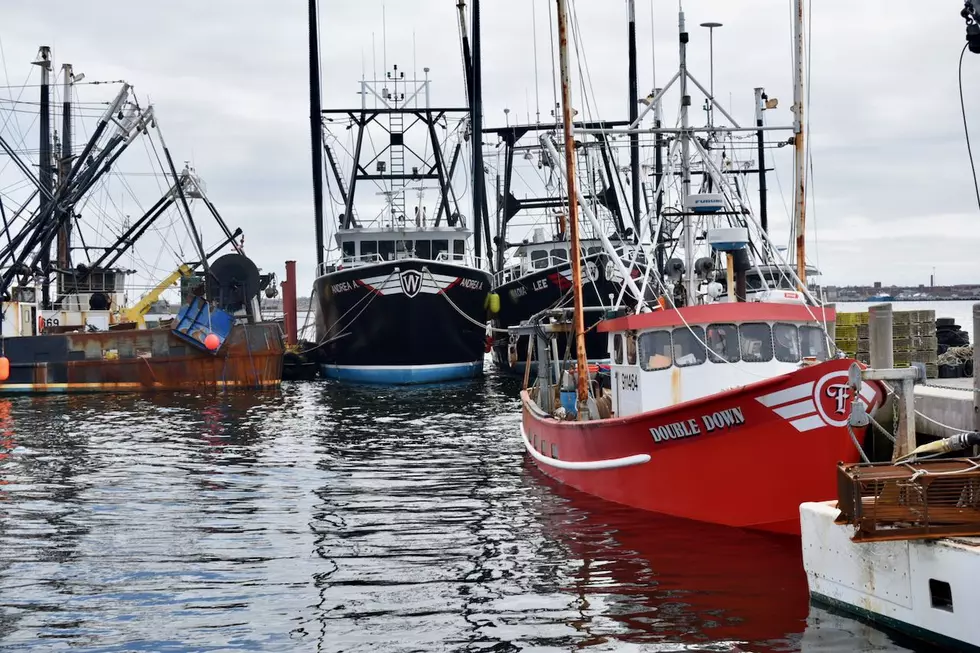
[{"x": 403, "y": 375}]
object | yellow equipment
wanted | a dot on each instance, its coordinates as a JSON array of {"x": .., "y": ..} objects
[{"x": 137, "y": 311}]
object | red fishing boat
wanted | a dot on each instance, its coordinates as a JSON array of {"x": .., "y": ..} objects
[
  {"x": 699, "y": 397},
  {"x": 725, "y": 403}
]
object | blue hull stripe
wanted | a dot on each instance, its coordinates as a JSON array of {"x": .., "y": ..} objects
[{"x": 409, "y": 374}]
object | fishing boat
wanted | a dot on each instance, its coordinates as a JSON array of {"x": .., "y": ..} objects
[
  {"x": 402, "y": 294},
  {"x": 535, "y": 274},
  {"x": 67, "y": 324},
  {"x": 718, "y": 407}
]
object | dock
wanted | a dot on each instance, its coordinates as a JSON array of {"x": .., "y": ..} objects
[{"x": 886, "y": 339}]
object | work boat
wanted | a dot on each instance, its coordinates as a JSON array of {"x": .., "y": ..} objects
[
  {"x": 402, "y": 297},
  {"x": 535, "y": 273},
  {"x": 720, "y": 406}
]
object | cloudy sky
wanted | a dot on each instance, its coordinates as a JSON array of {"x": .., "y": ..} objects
[{"x": 892, "y": 191}]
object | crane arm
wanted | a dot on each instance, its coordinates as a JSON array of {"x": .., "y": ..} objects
[{"x": 137, "y": 311}]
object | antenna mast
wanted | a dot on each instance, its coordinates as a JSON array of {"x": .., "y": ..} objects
[
  {"x": 316, "y": 136},
  {"x": 798, "y": 141}
]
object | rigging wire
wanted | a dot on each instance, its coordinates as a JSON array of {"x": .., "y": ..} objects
[{"x": 966, "y": 128}]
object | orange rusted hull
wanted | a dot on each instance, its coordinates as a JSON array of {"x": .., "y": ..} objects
[{"x": 141, "y": 361}]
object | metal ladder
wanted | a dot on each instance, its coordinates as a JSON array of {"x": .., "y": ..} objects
[{"x": 397, "y": 126}]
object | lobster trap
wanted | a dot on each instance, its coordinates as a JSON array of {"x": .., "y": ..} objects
[{"x": 905, "y": 501}]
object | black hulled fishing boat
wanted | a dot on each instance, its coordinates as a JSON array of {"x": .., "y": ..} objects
[{"x": 401, "y": 292}]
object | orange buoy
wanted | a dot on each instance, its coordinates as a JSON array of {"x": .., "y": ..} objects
[
  {"x": 212, "y": 342},
  {"x": 4, "y": 368}
]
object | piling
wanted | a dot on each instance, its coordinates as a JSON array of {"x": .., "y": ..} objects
[
  {"x": 289, "y": 303},
  {"x": 880, "y": 336}
]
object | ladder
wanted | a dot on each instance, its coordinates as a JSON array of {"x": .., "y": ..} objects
[{"x": 397, "y": 129}]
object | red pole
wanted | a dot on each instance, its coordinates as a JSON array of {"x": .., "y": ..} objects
[{"x": 289, "y": 302}]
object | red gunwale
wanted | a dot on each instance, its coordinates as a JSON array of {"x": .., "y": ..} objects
[{"x": 724, "y": 312}]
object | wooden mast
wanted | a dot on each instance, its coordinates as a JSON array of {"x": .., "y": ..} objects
[
  {"x": 579, "y": 319},
  {"x": 800, "y": 150}
]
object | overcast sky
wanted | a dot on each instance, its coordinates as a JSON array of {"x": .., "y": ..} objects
[{"x": 892, "y": 191}]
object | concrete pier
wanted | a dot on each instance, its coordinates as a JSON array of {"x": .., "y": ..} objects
[{"x": 952, "y": 402}]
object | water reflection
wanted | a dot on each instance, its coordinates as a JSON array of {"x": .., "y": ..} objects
[{"x": 337, "y": 518}]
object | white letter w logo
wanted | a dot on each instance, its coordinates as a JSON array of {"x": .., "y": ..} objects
[{"x": 411, "y": 282}]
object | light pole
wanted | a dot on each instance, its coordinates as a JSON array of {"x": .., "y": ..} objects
[{"x": 711, "y": 54}]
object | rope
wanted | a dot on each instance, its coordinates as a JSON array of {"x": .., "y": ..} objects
[
  {"x": 482, "y": 325},
  {"x": 854, "y": 439},
  {"x": 966, "y": 129},
  {"x": 940, "y": 424},
  {"x": 916, "y": 473}
]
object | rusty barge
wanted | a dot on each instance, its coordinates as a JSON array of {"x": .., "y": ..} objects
[{"x": 66, "y": 322}]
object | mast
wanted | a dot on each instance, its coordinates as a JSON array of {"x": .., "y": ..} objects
[
  {"x": 576, "y": 253},
  {"x": 685, "y": 137},
  {"x": 315, "y": 131},
  {"x": 800, "y": 150},
  {"x": 634, "y": 113},
  {"x": 64, "y": 166},
  {"x": 760, "y": 105},
  {"x": 46, "y": 171},
  {"x": 476, "y": 121}
]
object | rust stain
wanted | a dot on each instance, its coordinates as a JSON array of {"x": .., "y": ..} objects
[
  {"x": 676, "y": 390},
  {"x": 154, "y": 359}
]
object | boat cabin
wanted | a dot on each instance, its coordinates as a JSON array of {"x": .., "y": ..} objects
[
  {"x": 668, "y": 357},
  {"x": 366, "y": 246},
  {"x": 541, "y": 255}
]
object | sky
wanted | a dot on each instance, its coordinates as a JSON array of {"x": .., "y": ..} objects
[{"x": 892, "y": 195}]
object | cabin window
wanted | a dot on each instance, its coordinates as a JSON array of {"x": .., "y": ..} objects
[
  {"x": 631, "y": 349},
  {"x": 689, "y": 346},
  {"x": 403, "y": 246},
  {"x": 438, "y": 247},
  {"x": 459, "y": 248},
  {"x": 594, "y": 250},
  {"x": 348, "y": 249},
  {"x": 756, "y": 342},
  {"x": 618, "y": 349},
  {"x": 655, "y": 350},
  {"x": 386, "y": 248},
  {"x": 559, "y": 254},
  {"x": 813, "y": 343},
  {"x": 369, "y": 247},
  {"x": 423, "y": 249},
  {"x": 786, "y": 343},
  {"x": 722, "y": 341},
  {"x": 539, "y": 259}
]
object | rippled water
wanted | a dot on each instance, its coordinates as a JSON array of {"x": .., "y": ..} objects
[{"x": 331, "y": 518}]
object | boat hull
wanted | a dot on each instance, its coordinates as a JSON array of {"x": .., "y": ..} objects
[
  {"x": 746, "y": 458},
  {"x": 403, "y": 322},
  {"x": 141, "y": 361},
  {"x": 550, "y": 288}
]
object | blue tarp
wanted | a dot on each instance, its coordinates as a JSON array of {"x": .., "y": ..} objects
[{"x": 196, "y": 320}]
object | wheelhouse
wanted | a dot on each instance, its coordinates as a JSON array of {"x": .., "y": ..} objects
[
  {"x": 367, "y": 246},
  {"x": 669, "y": 357}
]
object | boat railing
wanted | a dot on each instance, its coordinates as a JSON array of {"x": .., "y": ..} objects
[
  {"x": 369, "y": 259},
  {"x": 348, "y": 262},
  {"x": 464, "y": 259}
]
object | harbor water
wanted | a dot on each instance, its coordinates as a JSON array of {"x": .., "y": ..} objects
[{"x": 327, "y": 517}]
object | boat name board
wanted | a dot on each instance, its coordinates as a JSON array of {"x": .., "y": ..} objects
[{"x": 728, "y": 418}]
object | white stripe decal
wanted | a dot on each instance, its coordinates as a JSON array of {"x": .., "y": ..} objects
[
  {"x": 795, "y": 410},
  {"x": 787, "y": 395},
  {"x": 867, "y": 393},
  {"x": 587, "y": 465},
  {"x": 808, "y": 423}
]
